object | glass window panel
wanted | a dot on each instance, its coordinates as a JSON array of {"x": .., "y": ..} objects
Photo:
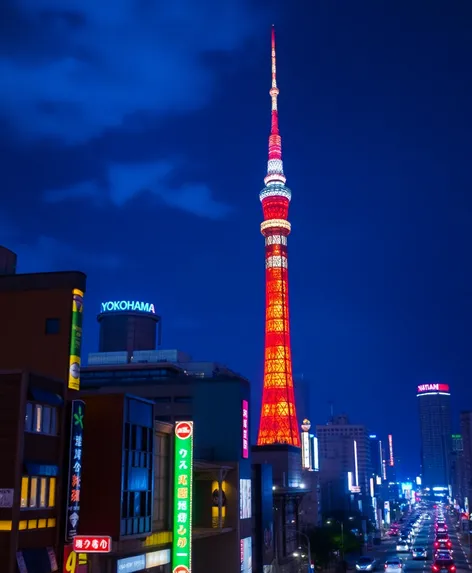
[
  {"x": 52, "y": 492},
  {"x": 53, "y": 430},
  {"x": 46, "y": 426},
  {"x": 38, "y": 410},
  {"x": 33, "y": 498},
  {"x": 42, "y": 492},
  {"x": 29, "y": 417},
  {"x": 24, "y": 491}
]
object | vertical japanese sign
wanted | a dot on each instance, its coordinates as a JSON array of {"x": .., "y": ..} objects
[
  {"x": 245, "y": 428},
  {"x": 183, "y": 474},
  {"x": 75, "y": 468},
  {"x": 75, "y": 339}
]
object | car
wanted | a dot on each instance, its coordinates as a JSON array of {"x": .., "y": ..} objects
[
  {"x": 443, "y": 566},
  {"x": 419, "y": 553},
  {"x": 393, "y": 565},
  {"x": 366, "y": 564},
  {"x": 442, "y": 535},
  {"x": 442, "y": 554},
  {"x": 442, "y": 544},
  {"x": 403, "y": 546}
]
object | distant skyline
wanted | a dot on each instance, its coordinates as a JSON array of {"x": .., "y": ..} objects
[{"x": 133, "y": 147}]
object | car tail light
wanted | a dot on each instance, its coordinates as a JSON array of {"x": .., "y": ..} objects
[
  {"x": 435, "y": 568},
  {"x": 452, "y": 568},
  {"x": 385, "y": 566},
  {"x": 436, "y": 544}
]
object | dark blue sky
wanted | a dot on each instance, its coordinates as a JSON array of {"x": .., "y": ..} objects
[{"x": 133, "y": 146}]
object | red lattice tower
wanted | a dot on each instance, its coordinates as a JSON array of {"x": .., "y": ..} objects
[{"x": 278, "y": 424}]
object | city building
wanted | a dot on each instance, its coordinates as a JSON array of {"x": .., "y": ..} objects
[
  {"x": 458, "y": 471},
  {"x": 376, "y": 455},
  {"x": 7, "y": 261},
  {"x": 345, "y": 466},
  {"x": 278, "y": 421},
  {"x": 217, "y": 401},
  {"x": 466, "y": 432},
  {"x": 39, "y": 375},
  {"x": 125, "y": 488},
  {"x": 435, "y": 424}
]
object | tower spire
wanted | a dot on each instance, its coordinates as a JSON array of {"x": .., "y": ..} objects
[{"x": 278, "y": 422}]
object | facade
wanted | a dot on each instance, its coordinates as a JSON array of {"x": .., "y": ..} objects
[
  {"x": 436, "y": 442},
  {"x": 40, "y": 335},
  {"x": 466, "y": 432},
  {"x": 345, "y": 466},
  {"x": 278, "y": 422},
  {"x": 457, "y": 470},
  {"x": 218, "y": 405}
]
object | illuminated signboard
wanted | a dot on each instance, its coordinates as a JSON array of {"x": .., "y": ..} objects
[
  {"x": 75, "y": 339},
  {"x": 183, "y": 474},
  {"x": 74, "y": 562},
  {"x": 92, "y": 543},
  {"x": 306, "y": 450},
  {"x": 128, "y": 305},
  {"x": 143, "y": 561},
  {"x": 245, "y": 501},
  {"x": 75, "y": 468},
  {"x": 245, "y": 433},
  {"x": 246, "y": 555},
  {"x": 391, "y": 460},
  {"x": 422, "y": 388},
  {"x": 316, "y": 459}
]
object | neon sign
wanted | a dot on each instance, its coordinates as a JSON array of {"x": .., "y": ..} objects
[
  {"x": 75, "y": 339},
  {"x": 245, "y": 429},
  {"x": 128, "y": 305},
  {"x": 183, "y": 473},
  {"x": 390, "y": 449},
  {"x": 75, "y": 468},
  {"x": 433, "y": 388}
]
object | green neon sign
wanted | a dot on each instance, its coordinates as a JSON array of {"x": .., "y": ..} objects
[{"x": 183, "y": 474}]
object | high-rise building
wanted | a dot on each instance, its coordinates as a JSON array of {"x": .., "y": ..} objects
[
  {"x": 457, "y": 470},
  {"x": 466, "y": 432},
  {"x": 436, "y": 442},
  {"x": 278, "y": 422},
  {"x": 376, "y": 455},
  {"x": 344, "y": 457}
]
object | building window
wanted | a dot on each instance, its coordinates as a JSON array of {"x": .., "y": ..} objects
[
  {"x": 52, "y": 326},
  {"x": 38, "y": 491},
  {"x": 183, "y": 399},
  {"x": 41, "y": 419}
]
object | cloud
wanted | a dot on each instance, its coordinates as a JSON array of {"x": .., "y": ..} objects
[
  {"x": 126, "y": 181},
  {"x": 86, "y": 66}
]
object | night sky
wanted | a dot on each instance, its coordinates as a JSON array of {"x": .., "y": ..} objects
[{"x": 133, "y": 146}]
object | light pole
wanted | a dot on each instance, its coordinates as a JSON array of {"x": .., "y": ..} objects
[
  {"x": 341, "y": 523},
  {"x": 308, "y": 547}
]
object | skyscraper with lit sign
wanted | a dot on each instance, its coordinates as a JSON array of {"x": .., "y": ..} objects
[{"x": 436, "y": 435}]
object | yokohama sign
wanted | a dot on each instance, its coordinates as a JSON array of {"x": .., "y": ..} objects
[
  {"x": 422, "y": 388},
  {"x": 128, "y": 305}
]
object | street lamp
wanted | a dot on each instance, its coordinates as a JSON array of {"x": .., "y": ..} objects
[
  {"x": 341, "y": 523},
  {"x": 310, "y": 569}
]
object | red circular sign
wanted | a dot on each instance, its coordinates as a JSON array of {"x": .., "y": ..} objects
[
  {"x": 181, "y": 569},
  {"x": 183, "y": 430}
]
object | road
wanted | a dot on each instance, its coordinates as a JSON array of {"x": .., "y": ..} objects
[{"x": 425, "y": 538}]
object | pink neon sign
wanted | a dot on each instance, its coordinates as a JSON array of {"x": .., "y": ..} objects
[
  {"x": 433, "y": 388},
  {"x": 245, "y": 429}
]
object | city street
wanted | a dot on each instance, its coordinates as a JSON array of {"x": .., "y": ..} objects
[{"x": 424, "y": 538}]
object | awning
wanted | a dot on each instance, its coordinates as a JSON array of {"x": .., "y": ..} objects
[
  {"x": 38, "y": 469},
  {"x": 45, "y": 397},
  {"x": 37, "y": 560}
]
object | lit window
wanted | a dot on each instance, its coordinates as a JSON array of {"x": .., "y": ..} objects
[
  {"x": 29, "y": 417},
  {"x": 52, "y": 492},
  {"x": 38, "y": 410},
  {"x": 24, "y": 491},
  {"x": 33, "y": 492},
  {"x": 42, "y": 492}
]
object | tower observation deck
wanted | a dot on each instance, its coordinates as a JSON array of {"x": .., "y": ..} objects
[{"x": 278, "y": 422}]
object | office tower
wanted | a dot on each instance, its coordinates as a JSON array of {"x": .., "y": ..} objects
[
  {"x": 466, "y": 432},
  {"x": 376, "y": 455},
  {"x": 435, "y": 423},
  {"x": 278, "y": 422}
]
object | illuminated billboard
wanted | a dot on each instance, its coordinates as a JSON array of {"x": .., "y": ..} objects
[
  {"x": 391, "y": 459},
  {"x": 245, "y": 429},
  {"x": 75, "y": 339},
  {"x": 428, "y": 388},
  {"x": 75, "y": 469},
  {"x": 245, "y": 499},
  {"x": 128, "y": 305},
  {"x": 183, "y": 474}
]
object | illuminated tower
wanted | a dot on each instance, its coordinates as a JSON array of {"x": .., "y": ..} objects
[{"x": 278, "y": 423}]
